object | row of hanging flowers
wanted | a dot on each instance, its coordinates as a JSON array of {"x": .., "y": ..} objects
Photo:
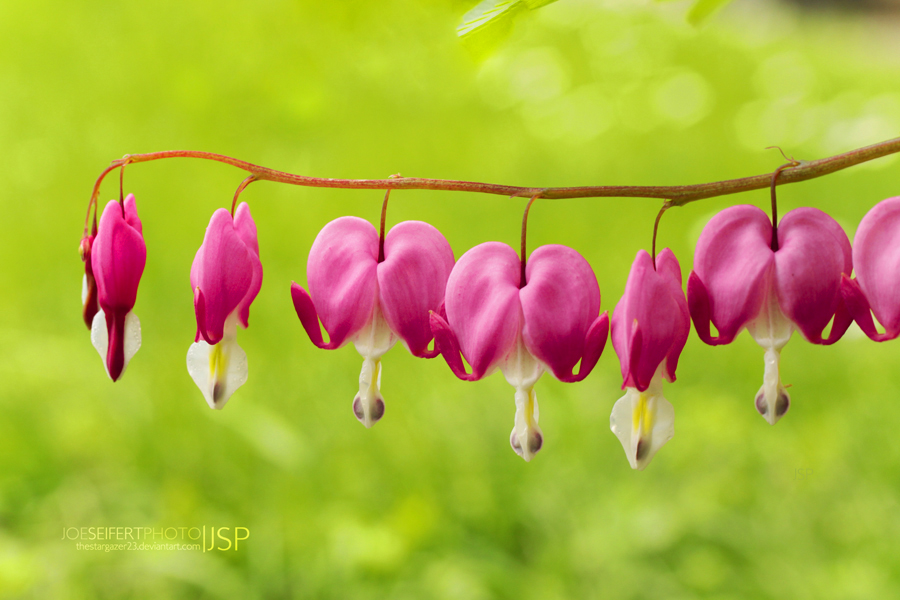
[{"x": 499, "y": 309}]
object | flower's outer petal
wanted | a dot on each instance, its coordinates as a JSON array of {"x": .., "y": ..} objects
[
  {"x": 482, "y": 302},
  {"x": 341, "y": 272},
  {"x": 858, "y": 307},
  {"x": 813, "y": 253},
  {"x": 669, "y": 269},
  {"x": 412, "y": 280},
  {"x": 876, "y": 258},
  {"x": 309, "y": 318},
  {"x": 118, "y": 256},
  {"x": 223, "y": 270},
  {"x": 117, "y": 339},
  {"x": 731, "y": 262},
  {"x": 654, "y": 304},
  {"x": 594, "y": 342},
  {"x": 89, "y": 302},
  {"x": 131, "y": 215},
  {"x": 446, "y": 343},
  {"x": 560, "y": 303},
  {"x": 245, "y": 228}
]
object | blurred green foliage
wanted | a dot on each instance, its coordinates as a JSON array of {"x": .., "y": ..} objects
[{"x": 432, "y": 502}]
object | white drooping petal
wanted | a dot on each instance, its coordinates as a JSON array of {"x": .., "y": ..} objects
[
  {"x": 100, "y": 337},
  {"x": 771, "y": 329},
  {"x": 522, "y": 370},
  {"x": 372, "y": 342},
  {"x": 643, "y": 422},
  {"x": 218, "y": 370},
  {"x": 84, "y": 290}
]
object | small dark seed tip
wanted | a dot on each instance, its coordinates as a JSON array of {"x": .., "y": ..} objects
[
  {"x": 782, "y": 404},
  {"x": 358, "y": 409},
  {"x": 641, "y": 450},
  {"x": 377, "y": 410},
  {"x": 217, "y": 392},
  {"x": 536, "y": 442},
  {"x": 762, "y": 407},
  {"x": 514, "y": 442}
]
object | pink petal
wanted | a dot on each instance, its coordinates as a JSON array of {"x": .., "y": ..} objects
[
  {"x": 813, "y": 253},
  {"x": 223, "y": 271},
  {"x": 341, "y": 271},
  {"x": 245, "y": 228},
  {"x": 876, "y": 258},
  {"x": 131, "y": 216},
  {"x": 412, "y": 280},
  {"x": 651, "y": 321},
  {"x": 482, "y": 303},
  {"x": 560, "y": 303},
  {"x": 118, "y": 255},
  {"x": 446, "y": 343},
  {"x": 732, "y": 261},
  {"x": 667, "y": 266}
]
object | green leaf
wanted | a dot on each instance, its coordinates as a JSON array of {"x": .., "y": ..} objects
[
  {"x": 489, "y": 15},
  {"x": 490, "y": 22},
  {"x": 702, "y": 9}
]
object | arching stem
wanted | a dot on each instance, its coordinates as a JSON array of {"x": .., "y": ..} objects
[
  {"x": 659, "y": 215},
  {"x": 238, "y": 191},
  {"x": 387, "y": 195},
  {"x": 524, "y": 231},
  {"x": 775, "y": 175},
  {"x": 675, "y": 195}
]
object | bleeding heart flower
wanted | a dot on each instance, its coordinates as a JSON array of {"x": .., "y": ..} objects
[
  {"x": 226, "y": 276},
  {"x": 117, "y": 258},
  {"x": 373, "y": 298},
  {"x": 548, "y": 322},
  {"x": 741, "y": 279},
  {"x": 650, "y": 326},
  {"x": 876, "y": 259}
]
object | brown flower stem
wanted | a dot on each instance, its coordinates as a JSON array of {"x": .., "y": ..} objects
[
  {"x": 387, "y": 195},
  {"x": 675, "y": 195},
  {"x": 524, "y": 231},
  {"x": 238, "y": 191},
  {"x": 775, "y": 175},
  {"x": 664, "y": 208}
]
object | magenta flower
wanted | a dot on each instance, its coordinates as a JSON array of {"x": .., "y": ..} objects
[
  {"x": 876, "y": 256},
  {"x": 88, "y": 283},
  {"x": 225, "y": 276},
  {"x": 650, "y": 326},
  {"x": 118, "y": 255},
  {"x": 548, "y": 323},
  {"x": 741, "y": 279},
  {"x": 372, "y": 298}
]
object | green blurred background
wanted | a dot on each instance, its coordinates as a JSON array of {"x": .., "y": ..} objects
[{"x": 432, "y": 502}]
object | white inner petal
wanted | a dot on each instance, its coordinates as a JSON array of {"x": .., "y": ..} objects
[
  {"x": 218, "y": 370},
  {"x": 522, "y": 370},
  {"x": 100, "y": 337},
  {"x": 372, "y": 342},
  {"x": 771, "y": 329},
  {"x": 376, "y": 338},
  {"x": 84, "y": 290},
  {"x": 643, "y": 422}
]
